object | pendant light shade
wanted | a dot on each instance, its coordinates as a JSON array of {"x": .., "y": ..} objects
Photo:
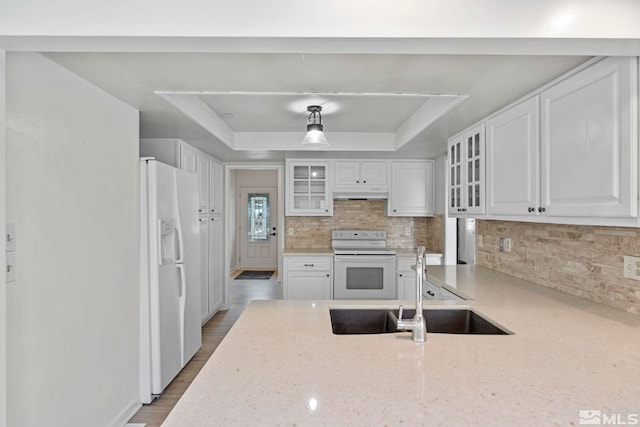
[{"x": 315, "y": 137}]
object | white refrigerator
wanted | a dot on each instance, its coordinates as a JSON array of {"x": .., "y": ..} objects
[{"x": 170, "y": 331}]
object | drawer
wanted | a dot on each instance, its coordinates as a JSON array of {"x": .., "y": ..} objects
[
  {"x": 430, "y": 291},
  {"x": 309, "y": 264}
]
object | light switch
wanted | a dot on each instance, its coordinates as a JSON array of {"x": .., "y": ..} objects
[
  {"x": 11, "y": 238},
  {"x": 11, "y": 268}
]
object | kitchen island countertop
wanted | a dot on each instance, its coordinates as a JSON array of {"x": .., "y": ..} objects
[{"x": 281, "y": 365}]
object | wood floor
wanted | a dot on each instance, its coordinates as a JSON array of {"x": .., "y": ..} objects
[{"x": 241, "y": 293}]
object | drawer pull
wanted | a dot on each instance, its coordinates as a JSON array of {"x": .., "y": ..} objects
[{"x": 308, "y": 265}]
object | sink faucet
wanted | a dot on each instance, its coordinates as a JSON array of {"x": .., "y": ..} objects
[{"x": 417, "y": 325}]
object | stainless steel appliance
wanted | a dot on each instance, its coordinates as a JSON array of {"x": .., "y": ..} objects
[{"x": 363, "y": 266}]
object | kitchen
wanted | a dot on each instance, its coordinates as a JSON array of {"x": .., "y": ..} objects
[{"x": 90, "y": 204}]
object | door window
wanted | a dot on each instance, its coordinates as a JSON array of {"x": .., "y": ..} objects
[{"x": 258, "y": 216}]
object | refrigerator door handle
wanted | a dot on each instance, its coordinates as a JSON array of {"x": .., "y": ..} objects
[
  {"x": 180, "y": 245},
  {"x": 183, "y": 305}
]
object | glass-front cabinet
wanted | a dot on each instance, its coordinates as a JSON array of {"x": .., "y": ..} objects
[
  {"x": 308, "y": 189},
  {"x": 466, "y": 172}
]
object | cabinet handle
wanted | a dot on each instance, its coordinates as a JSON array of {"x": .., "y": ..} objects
[
  {"x": 364, "y": 182},
  {"x": 541, "y": 209},
  {"x": 394, "y": 210},
  {"x": 431, "y": 294},
  {"x": 531, "y": 209},
  {"x": 358, "y": 182},
  {"x": 328, "y": 274},
  {"x": 400, "y": 274},
  {"x": 213, "y": 219},
  {"x": 326, "y": 210},
  {"x": 213, "y": 210},
  {"x": 308, "y": 265}
]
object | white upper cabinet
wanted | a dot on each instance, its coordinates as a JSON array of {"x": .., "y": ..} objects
[
  {"x": 360, "y": 172},
  {"x": 203, "y": 182},
  {"x": 513, "y": 160},
  {"x": 216, "y": 187},
  {"x": 466, "y": 172},
  {"x": 412, "y": 188},
  {"x": 188, "y": 158},
  {"x": 589, "y": 142},
  {"x": 308, "y": 188}
]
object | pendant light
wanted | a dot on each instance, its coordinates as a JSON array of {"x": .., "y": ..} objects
[{"x": 315, "y": 137}]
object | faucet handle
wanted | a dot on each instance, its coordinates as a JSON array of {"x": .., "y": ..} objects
[{"x": 400, "y": 310}]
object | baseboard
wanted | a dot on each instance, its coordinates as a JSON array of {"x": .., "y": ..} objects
[{"x": 127, "y": 413}]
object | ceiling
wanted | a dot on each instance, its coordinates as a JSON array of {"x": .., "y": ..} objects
[{"x": 252, "y": 106}]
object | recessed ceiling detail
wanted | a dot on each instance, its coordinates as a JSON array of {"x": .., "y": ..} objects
[{"x": 275, "y": 120}]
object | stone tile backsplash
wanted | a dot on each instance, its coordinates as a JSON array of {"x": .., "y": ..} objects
[
  {"x": 315, "y": 232},
  {"x": 581, "y": 260}
]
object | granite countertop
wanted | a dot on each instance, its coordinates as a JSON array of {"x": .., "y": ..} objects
[
  {"x": 400, "y": 252},
  {"x": 281, "y": 365},
  {"x": 411, "y": 252},
  {"x": 307, "y": 251}
]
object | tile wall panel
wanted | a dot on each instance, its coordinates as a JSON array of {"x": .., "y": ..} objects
[
  {"x": 315, "y": 232},
  {"x": 581, "y": 260}
]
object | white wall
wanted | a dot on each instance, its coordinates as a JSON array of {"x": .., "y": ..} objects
[
  {"x": 331, "y": 18},
  {"x": 3, "y": 289},
  {"x": 72, "y": 191}
]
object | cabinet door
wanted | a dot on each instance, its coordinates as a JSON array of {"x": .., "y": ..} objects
[
  {"x": 406, "y": 285},
  {"x": 216, "y": 188},
  {"x": 188, "y": 159},
  {"x": 411, "y": 189},
  {"x": 203, "y": 183},
  {"x": 346, "y": 172},
  {"x": 307, "y": 189},
  {"x": 456, "y": 189},
  {"x": 205, "y": 312},
  {"x": 374, "y": 173},
  {"x": 216, "y": 263},
  {"x": 473, "y": 183},
  {"x": 308, "y": 285},
  {"x": 587, "y": 151},
  {"x": 512, "y": 154}
]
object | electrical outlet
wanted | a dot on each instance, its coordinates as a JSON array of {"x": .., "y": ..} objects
[
  {"x": 507, "y": 244},
  {"x": 290, "y": 231},
  {"x": 407, "y": 231},
  {"x": 631, "y": 268},
  {"x": 501, "y": 244},
  {"x": 479, "y": 240}
]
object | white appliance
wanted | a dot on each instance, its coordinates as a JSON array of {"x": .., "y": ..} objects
[
  {"x": 170, "y": 332},
  {"x": 363, "y": 266}
]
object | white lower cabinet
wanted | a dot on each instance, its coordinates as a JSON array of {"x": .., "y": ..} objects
[
  {"x": 407, "y": 278},
  {"x": 308, "y": 277},
  {"x": 211, "y": 265}
]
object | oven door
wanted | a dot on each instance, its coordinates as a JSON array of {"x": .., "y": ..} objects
[{"x": 364, "y": 277}]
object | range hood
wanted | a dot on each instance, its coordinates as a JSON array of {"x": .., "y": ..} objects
[{"x": 360, "y": 192}]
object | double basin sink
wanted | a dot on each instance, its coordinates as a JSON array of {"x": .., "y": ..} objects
[{"x": 347, "y": 321}]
